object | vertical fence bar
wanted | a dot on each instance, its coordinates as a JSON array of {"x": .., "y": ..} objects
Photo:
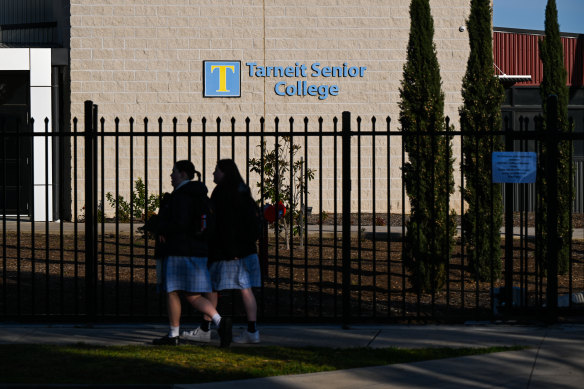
[
  {"x": 553, "y": 240},
  {"x": 477, "y": 238},
  {"x": 189, "y": 139},
  {"x": 18, "y": 231},
  {"x": 434, "y": 203},
  {"x": 447, "y": 167},
  {"x": 305, "y": 194},
  {"x": 117, "y": 191},
  {"x": 95, "y": 176},
  {"x": 538, "y": 228},
  {"x": 320, "y": 215},
  {"x": 247, "y": 136},
  {"x": 388, "y": 238},
  {"x": 218, "y": 139},
  {"x": 174, "y": 131},
  {"x": 335, "y": 214},
  {"x": 131, "y": 295},
  {"x": 492, "y": 227},
  {"x": 90, "y": 197},
  {"x": 571, "y": 178},
  {"x": 3, "y": 132},
  {"x": 47, "y": 237},
  {"x": 101, "y": 215},
  {"x": 292, "y": 207},
  {"x": 160, "y": 159},
  {"x": 346, "y": 177},
  {"x": 60, "y": 203},
  {"x": 523, "y": 127},
  {"x": 374, "y": 218},
  {"x": 525, "y": 237},
  {"x": 462, "y": 235},
  {"x": 359, "y": 232},
  {"x": 75, "y": 218},
  {"x": 508, "y": 229},
  {"x": 277, "y": 218},
  {"x": 418, "y": 226},
  {"x": 264, "y": 240},
  {"x": 403, "y": 224},
  {"x": 204, "y": 147},
  {"x": 146, "y": 211},
  {"x": 32, "y": 236},
  {"x": 233, "y": 138}
]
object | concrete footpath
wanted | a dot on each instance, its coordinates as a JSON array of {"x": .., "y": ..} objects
[{"x": 555, "y": 358}]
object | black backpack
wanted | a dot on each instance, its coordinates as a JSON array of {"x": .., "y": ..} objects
[
  {"x": 204, "y": 218},
  {"x": 252, "y": 216}
]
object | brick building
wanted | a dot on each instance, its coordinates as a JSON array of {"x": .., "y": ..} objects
[{"x": 145, "y": 58}]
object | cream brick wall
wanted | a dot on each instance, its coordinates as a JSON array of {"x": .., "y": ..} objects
[{"x": 137, "y": 58}]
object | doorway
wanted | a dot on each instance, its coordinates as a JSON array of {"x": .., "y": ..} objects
[{"x": 15, "y": 144}]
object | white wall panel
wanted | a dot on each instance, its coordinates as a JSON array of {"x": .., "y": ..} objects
[
  {"x": 40, "y": 67},
  {"x": 38, "y": 61},
  {"x": 40, "y": 203},
  {"x": 40, "y": 108},
  {"x": 16, "y": 59}
]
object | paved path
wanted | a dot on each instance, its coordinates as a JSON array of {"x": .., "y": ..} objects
[{"x": 555, "y": 358}]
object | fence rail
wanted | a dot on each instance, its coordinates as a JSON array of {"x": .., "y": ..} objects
[{"x": 346, "y": 263}]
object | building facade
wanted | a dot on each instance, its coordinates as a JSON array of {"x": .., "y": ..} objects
[
  {"x": 516, "y": 52},
  {"x": 297, "y": 58}
]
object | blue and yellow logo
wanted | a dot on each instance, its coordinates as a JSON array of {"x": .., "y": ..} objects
[{"x": 221, "y": 78}]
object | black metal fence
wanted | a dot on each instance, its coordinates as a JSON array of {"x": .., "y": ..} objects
[{"x": 345, "y": 263}]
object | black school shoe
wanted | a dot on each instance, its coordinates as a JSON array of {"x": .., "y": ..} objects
[
  {"x": 225, "y": 331},
  {"x": 166, "y": 341}
]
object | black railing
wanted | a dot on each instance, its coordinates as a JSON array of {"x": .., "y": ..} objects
[{"x": 345, "y": 265}]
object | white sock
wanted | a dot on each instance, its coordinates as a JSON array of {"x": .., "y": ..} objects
[
  {"x": 173, "y": 332},
  {"x": 216, "y": 319}
]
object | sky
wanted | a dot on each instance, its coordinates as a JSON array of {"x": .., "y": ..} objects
[{"x": 530, "y": 14}]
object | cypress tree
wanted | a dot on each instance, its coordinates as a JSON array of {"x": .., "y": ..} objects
[
  {"x": 554, "y": 83},
  {"x": 428, "y": 174},
  {"x": 482, "y": 94}
]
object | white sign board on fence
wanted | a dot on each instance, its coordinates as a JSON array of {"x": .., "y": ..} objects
[{"x": 514, "y": 167}]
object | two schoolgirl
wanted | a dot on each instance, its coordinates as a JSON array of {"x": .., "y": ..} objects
[{"x": 231, "y": 252}]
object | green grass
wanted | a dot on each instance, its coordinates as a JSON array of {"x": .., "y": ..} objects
[{"x": 85, "y": 364}]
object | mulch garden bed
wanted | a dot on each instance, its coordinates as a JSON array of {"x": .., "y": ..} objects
[{"x": 301, "y": 284}]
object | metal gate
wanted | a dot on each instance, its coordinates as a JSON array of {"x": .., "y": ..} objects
[{"x": 344, "y": 265}]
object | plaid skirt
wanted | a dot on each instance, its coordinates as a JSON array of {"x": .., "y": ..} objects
[
  {"x": 189, "y": 274},
  {"x": 240, "y": 273}
]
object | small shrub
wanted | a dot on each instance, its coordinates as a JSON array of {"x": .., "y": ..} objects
[
  {"x": 100, "y": 215},
  {"x": 379, "y": 221},
  {"x": 139, "y": 202},
  {"x": 276, "y": 169},
  {"x": 323, "y": 217}
]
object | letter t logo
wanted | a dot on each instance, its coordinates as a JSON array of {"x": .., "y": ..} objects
[{"x": 222, "y": 76}]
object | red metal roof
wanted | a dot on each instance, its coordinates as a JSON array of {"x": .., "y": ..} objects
[{"x": 517, "y": 53}]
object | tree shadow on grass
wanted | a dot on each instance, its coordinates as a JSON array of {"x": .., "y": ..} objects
[{"x": 86, "y": 364}]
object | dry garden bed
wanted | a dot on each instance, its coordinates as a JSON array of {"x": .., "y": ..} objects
[{"x": 303, "y": 283}]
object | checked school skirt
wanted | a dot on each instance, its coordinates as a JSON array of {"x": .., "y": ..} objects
[
  {"x": 189, "y": 274},
  {"x": 240, "y": 273}
]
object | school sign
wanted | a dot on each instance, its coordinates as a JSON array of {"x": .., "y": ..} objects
[{"x": 223, "y": 78}]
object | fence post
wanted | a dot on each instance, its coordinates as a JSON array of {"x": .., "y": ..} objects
[
  {"x": 90, "y": 210},
  {"x": 552, "y": 240},
  {"x": 508, "y": 228},
  {"x": 346, "y": 251}
]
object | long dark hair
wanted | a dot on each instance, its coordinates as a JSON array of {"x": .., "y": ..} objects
[{"x": 231, "y": 176}]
